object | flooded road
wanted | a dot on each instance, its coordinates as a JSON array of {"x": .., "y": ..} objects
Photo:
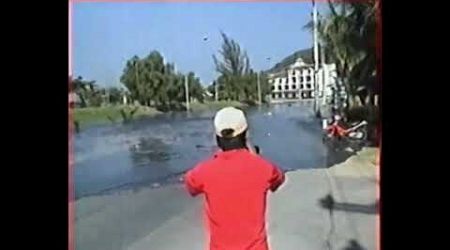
[{"x": 154, "y": 150}]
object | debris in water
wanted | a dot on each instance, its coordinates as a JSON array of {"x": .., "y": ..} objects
[
  {"x": 135, "y": 147},
  {"x": 155, "y": 185},
  {"x": 349, "y": 149}
]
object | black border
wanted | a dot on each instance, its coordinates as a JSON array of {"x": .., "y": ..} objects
[
  {"x": 405, "y": 122},
  {"x": 41, "y": 162},
  {"x": 45, "y": 200}
]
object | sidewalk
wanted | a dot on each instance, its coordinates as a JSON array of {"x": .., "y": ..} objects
[{"x": 296, "y": 218}]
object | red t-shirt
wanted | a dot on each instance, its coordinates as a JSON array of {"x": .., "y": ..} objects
[{"x": 235, "y": 184}]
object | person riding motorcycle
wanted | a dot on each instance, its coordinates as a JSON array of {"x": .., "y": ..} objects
[{"x": 335, "y": 129}]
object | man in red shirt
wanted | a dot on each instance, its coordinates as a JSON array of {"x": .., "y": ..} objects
[{"x": 235, "y": 182}]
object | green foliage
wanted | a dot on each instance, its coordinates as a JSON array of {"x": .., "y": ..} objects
[
  {"x": 347, "y": 34},
  {"x": 87, "y": 91},
  {"x": 152, "y": 82},
  {"x": 237, "y": 81},
  {"x": 114, "y": 95}
]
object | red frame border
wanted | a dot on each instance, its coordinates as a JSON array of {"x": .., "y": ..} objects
[{"x": 71, "y": 192}]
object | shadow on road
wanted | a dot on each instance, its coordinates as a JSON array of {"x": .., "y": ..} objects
[
  {"x": 353, "y": 245},
  {"x": 330, "y": 204}
]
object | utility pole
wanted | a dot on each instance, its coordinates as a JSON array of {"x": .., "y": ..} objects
[
  {"x": 216, "y": 91},
  {"x": 146, "y": 102},
  {"x": 186, "y": 87},
  {"x": 316, "y": 61},
  {"x": 267, "y": 78},
  {"x": 324, "y": 74},
  {"x": 216, "y": 86},
  {"x": 259, "y": 88}
]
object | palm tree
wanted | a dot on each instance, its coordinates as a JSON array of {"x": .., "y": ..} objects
[
  {"x": 234, "y": 68},
  {"x": 79, "y": 88},
  {"x": 348, "y": 37},
  {"x": 87, "y": 91}
]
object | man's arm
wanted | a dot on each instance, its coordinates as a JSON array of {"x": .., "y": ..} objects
[
  {"x": 193, "y": 182},
  {"x": 277, "y": 178}
]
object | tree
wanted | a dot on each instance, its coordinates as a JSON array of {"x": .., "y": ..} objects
[
  {"x": 195, "y": 88},
  {"x": 87, "y": 91},
  {"x": 153, "y": 82},
  {"x": 235, "y": 62},
  {"x": 114, "y": 95},
  {"x": 236, "y": 81},
  {"x": 79, "y": 87},
  {"x": 145, "y": 79},
  {"x": 130, "y": 78},
  {"x": 348, "y": 37}
]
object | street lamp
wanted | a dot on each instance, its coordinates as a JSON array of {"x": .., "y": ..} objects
[
  {"x": 216, "y": 86},
  {"x": 316, "y": 61},
  {"x": 259, "y": 87},
  {"x": 186, "y": 87},
  {"x": 268, "y": 62}
]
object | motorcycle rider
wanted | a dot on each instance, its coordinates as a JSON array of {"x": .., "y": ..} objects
[{"x": 335, "y": 129}]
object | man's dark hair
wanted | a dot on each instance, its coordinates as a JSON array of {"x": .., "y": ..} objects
[{"x": 228, "y": 142}]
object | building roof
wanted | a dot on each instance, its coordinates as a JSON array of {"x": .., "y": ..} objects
[{"x": 306, "y": 55}]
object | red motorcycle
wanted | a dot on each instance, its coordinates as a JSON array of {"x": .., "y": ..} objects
[{"x": 338, "y": 136}]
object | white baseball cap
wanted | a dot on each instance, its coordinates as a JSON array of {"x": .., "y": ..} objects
[{"x": 230, "y": 118}]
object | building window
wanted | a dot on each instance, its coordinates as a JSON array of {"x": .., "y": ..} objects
[
  {"x": 279, "y": 95},
  {"x": 308, "y": 86},
  {"x": 274, "y": 96},
  {"x": 308, "y": 78},
  {"x": 301, "y": 79},
  {"x": 301, "y": 86},
  {"x": 279, "y": 80},
  {"x": 279, "y": 87},
  {"x": 286, "y": 87},
  {"x": 273, "y": 87},
  {"x": 293, "y": 86},
  {"x": 294, "y": 79}
]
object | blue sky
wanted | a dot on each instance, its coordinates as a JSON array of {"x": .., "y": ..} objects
[{"x": 106, "y": 35}]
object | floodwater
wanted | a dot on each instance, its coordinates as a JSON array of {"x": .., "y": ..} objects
[{"x": 153, "y": 151}]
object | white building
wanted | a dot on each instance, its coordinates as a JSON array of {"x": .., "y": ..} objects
[{"x": 296, "y": 82}]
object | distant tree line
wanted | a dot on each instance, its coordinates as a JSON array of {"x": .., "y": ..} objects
[
  {"x": 152, "y": 82},
  {"x": 89, "y": 94}
]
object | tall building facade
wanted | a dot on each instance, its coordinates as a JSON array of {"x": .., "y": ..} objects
[{"x": 296, "y": 82}]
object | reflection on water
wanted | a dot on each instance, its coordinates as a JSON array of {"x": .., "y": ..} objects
[{"x": 155, "y": 149}]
